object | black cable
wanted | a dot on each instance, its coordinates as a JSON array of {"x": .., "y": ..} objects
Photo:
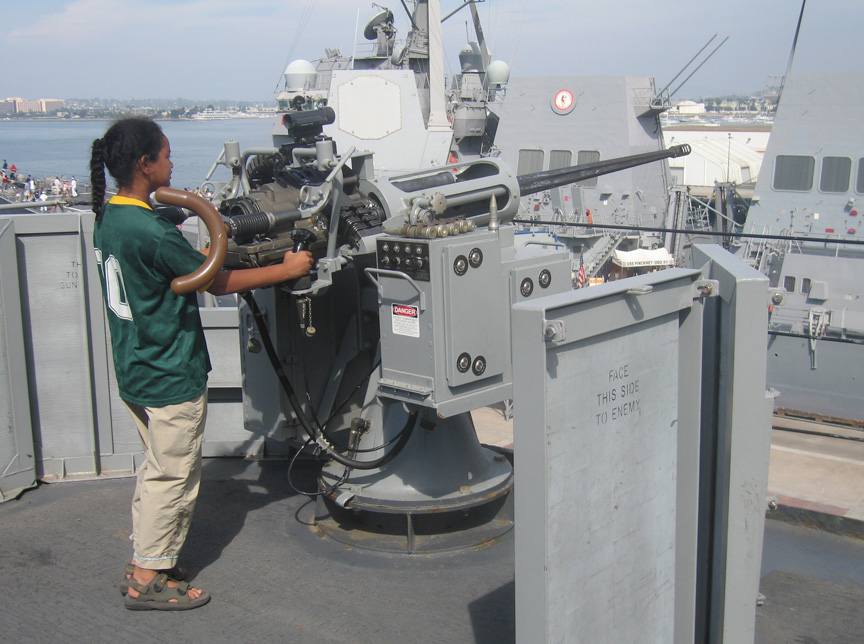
[
  {"x": 308, "y": 389},
  {"x": 327, "y": 489},
  {"x": 404, "y": 434},
  {"x": 321, "y": 427},
  {"x": 685, "y": 231},
  {"x": 348, "y": 398},
  {"x": 344, "y": 402},
  {"x": 338, "y": 408}
]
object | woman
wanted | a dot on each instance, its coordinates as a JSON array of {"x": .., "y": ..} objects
[{"x": 160, "y": 355}]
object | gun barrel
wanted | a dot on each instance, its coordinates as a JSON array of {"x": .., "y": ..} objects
[{"x": 539, "y": 181}]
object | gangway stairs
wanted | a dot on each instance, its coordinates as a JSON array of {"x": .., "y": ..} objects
[{"x": 600, "y": 253}]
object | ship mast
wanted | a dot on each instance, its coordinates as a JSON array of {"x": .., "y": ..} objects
[
  {"x": 792, "y": 53},
  {"x": 437, "y": 104}
]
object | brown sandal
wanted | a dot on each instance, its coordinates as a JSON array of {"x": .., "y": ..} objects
[
  {"x": 176, "y": 573},
  {"x": 158, "y": 595}
]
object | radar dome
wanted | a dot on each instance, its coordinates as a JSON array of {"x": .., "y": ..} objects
[
  {"x": 298, "y": 73},
  {"x": 498, "y": 73},
  {"x": 470, "y": 58}
]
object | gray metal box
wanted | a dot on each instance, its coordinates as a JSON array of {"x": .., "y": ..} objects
[{"x": 445, "y": 323}]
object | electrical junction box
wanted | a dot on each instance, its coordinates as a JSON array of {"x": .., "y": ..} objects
[{"x": 444, "y": 312}]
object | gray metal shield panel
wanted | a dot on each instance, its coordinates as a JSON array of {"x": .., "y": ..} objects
[
  {"x": 225, "y": 434},
  {"x": 54, "y": 316},
  {"x": 80, "y": 427},
  {"x": 611, "y": 471},
  {"x": 596, "y": 447},
  {"x": 223, "y": 344},
  {"x": 740, "y": 434},
  {"x": 17, "y": 462}
]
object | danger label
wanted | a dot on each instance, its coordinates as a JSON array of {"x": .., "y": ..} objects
[{"x": 406, "y": 320}]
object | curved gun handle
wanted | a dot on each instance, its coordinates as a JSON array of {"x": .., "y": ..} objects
[{"x": 218, "y": 238}]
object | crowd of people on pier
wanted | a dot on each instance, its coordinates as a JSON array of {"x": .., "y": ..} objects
[{"x": 17, "y": 187}]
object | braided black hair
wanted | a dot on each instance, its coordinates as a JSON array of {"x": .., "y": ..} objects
[{"x": 123, "y": 145}]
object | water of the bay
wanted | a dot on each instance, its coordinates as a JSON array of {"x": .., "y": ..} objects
[{"x": 62, "y": 148}]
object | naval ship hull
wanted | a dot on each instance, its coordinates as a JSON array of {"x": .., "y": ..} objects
[
  {"x": 827, "y": 394},
  {"x": 809, "y": 196}
]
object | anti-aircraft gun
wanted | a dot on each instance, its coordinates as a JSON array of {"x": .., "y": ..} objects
[{"x": 402, "y": 329}]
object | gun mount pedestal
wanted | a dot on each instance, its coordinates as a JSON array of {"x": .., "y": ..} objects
[
  {"x": 442, "y": 287},
  {"x": 444, "y": 491}
]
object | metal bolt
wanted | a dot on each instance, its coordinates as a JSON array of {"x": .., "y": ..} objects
[
  {"x": 460, "y": 265},
  {"x": 545, "y": 278},
  {"x": 463, "y": 362},
  {"x": 479, "y": 366},
  {"x": 555, "y": 331}
]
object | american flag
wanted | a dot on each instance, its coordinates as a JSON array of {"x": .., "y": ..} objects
[{"x": 580, "y": 276}]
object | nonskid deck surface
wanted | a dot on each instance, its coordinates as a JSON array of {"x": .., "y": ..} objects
[
  {"x": 63, "y": 547},
  {"x": 273, "y": 579}
]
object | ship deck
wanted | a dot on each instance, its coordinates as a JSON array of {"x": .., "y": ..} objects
[{"x": 273, "y": 578}]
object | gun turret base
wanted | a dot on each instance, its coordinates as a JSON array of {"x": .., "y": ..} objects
[
  {"x": 425, "y": 531},
  {"x": 444, "y": 492}
]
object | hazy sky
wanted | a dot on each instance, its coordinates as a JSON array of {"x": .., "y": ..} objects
[{"x": 238, "y": 49}]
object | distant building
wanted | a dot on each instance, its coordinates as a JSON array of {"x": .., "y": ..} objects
[
  {"x": 16, "y": 105},
  {"x": 688, "y": 107},
  {"x": 52, "y": 104},
  {"x": 719, "y": 155}
]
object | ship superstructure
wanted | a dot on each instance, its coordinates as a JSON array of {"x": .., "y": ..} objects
[
  {"x": 553, "y": 122},
  {"x": 392, "y": 95},
  {"x": 810, "y": 199}
]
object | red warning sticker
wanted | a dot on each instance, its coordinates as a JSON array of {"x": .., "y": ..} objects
[{"x": 406, "y": 320}]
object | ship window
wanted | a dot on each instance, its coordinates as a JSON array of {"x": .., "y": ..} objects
[
  {"x": 792, "y": 172},
  {"x": 789, "y": 283},
  {"x": 835, "y": 174},
  {"x": 805, "y": 285},
  {"x": 560, "y": 159},
  {"x": 587, "y": 156},
  {"x": 859, "y": 185},
  {"x": 530, "y": 161}
]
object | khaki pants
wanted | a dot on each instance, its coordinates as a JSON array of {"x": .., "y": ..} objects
[{"x": 168, "y": 480}]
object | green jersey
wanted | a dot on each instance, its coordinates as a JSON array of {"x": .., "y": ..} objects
[{"x": 160, "y": 355}]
